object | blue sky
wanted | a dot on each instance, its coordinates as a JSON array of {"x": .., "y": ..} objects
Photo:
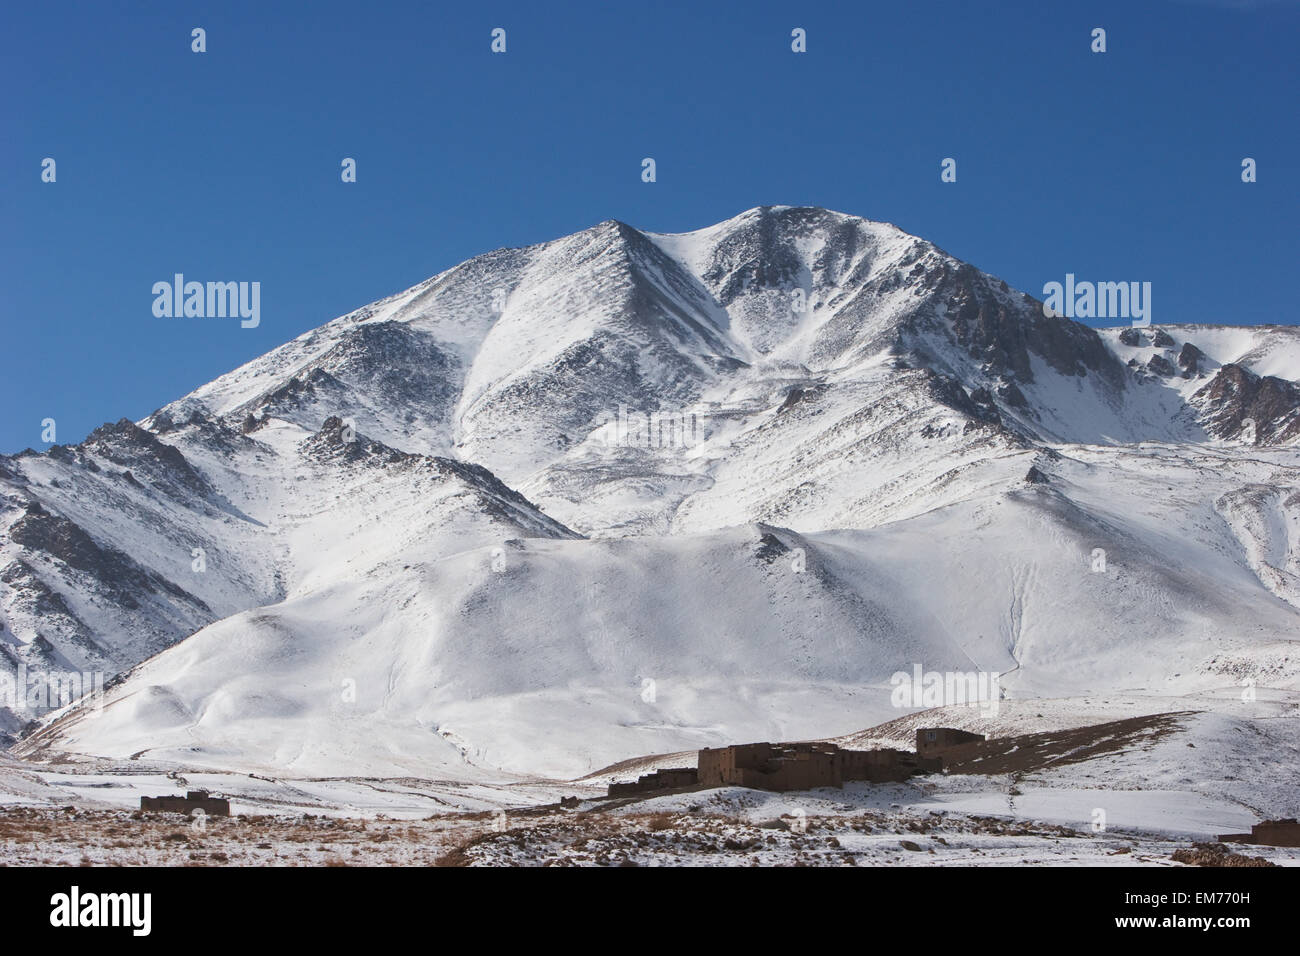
[{"x": 225, "y": 165}]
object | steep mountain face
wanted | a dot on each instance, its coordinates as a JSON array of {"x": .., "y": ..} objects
[
  {"x": 763, "y": 465},
  {"x": 1236, "y": 401}
]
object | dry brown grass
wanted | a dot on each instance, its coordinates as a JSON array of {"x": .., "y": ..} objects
[
  {"x": 1215, "y": 854},
  {"x": 45, "y": 836}
]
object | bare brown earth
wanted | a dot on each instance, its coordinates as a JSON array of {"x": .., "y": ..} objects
[
  {"x": 1216, "y": 854},
  {"x": 550, "y": 836},
  {"x": 1032, "y": 752},
  {"x": 72, "y": 837},
  {"x": 667, "y": 838}
]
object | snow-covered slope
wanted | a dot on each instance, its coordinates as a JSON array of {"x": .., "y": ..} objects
[{"x": 627, "y": 492}]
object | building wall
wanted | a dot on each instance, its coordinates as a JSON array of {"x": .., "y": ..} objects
[
  {"x": 677, "y": 778},
  {"x": 720, "y": 766},
  {"x": 804, "y": 766},
  {"x": 1276, "y": 833},
  {"x": 668, "y": 779},
  {"x": 213, "y": 806},
  {"x": 883, "y": 766},
  {"x": 931, "y": 740},
  {"x": 801, "y": 771}
]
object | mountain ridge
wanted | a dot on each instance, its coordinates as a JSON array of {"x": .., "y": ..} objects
[{"x": 442, "y": 478}]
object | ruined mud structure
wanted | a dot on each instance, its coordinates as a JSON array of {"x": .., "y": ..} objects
[
  {"x": 1268, "y": 833},
  {"x": 788, "y": 766},
  {"x": 809, "y": 764},
  {"x": 670, "y": 779},
  {"x": 934, "y": 740},
  {"x": 803, "y": 766},
  {"x": 193, "y": 800}
]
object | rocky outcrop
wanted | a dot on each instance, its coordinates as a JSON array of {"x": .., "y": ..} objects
[
  {"x": 1236, "y": 402},
  {"x": 1160, "y": 365},
  {"x": 1189, "y": 360},
  {"x": 1003, "y": 330},
  {"x": 161, "y": 465},
  {"x": 338, "y": 440},
  {"x": 116, "y": 574}
]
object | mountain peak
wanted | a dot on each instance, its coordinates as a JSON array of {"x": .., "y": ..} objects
[{"x": 521, "y": 486}]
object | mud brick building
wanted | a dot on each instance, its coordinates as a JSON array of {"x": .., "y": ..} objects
[
  {"x": 1268, "y": 833},
  {"x": 788, "y": 766},
  {"x": 765, "y": 766},
  {"x": 671, "y": 778},
  {"x": 193, "y": 800},
  {"x": 885, "y": 766},
  {"x": 931, "y": 741},
  {"x": 803, "y": 766}
]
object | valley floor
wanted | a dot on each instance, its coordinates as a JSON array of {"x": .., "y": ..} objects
[
  {"x": 723, "y": 831},
  {"x": 1157, "y": 795}
]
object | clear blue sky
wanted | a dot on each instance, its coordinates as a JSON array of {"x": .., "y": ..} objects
[{"x": 225, "y": 165}]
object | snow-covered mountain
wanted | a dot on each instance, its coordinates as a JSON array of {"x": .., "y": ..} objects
[{"x": 627, "y": 492}]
